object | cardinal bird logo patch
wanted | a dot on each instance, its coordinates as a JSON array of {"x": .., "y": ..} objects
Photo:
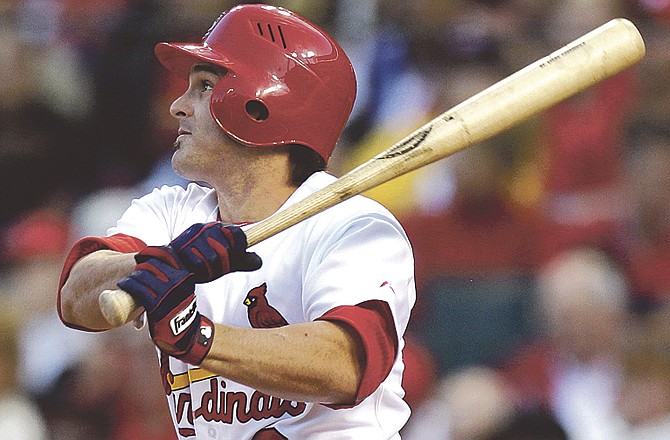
[{"x": 260, "y": 313}]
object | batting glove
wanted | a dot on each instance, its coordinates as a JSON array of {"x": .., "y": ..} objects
[
  {"x": 166, "y": 289},
  {"x": 211, "y": 250}
]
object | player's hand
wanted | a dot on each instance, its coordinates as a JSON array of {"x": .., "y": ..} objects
[
  {"x": 211, "y": 250},
  {"x": 166, "y": 289}
]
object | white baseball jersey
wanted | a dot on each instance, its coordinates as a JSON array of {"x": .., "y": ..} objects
[{"x": 348, "y": 254}]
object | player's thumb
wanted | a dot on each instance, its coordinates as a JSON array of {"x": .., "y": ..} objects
[{"x": 246, "y": 262}]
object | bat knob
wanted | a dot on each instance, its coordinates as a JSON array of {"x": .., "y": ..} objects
[{"x": 116, "y": 306}]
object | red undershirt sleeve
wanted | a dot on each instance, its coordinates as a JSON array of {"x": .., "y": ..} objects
[
  {"x": 372, "y": 321},
  {"x": 88, "y": 245}
]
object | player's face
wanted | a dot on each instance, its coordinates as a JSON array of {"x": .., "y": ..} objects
[{"x": 201, "y": 144}]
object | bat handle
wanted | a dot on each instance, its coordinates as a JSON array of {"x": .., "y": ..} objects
[{"x": 117, "y": 306}]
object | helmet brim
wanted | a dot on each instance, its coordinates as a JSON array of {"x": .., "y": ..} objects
[{"x": 179, "y": 58}]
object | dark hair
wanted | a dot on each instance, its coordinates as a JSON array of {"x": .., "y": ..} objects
[
  {"x": 531, "y": 426},
  {"x": 304, "y": 163}
]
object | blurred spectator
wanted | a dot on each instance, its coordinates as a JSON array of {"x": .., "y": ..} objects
[
  {"x": 125, "y": 79},
  {"x": 33, "y": 138},
  {"x": 654, "y": 73},
  {"x": 583, "y": 198},
  {"x": 100, "y": 210},
  {"x": 530, "y": 426},
  {"x": 114, "y": 393},
  {"x": 33, "y": 249},
  {"x": 644, "y": 400},
  {"x": 571, "y": 18},
  {"x": 474, "y": 265},
  {"x": 395, "y": 99},
  {"x": 481, "y": 232},
  {"x": 80, "y": 406},
  {"x": 20, "y": 418},
  {"x": 141, "y": 412},
  {"x": 648, "y": 238},
  {"x": 469, "y": 404},
  {"x": 420, "y": 376},
  {"x": 89, "y": 386},
  {"x": 575, "y": 374}
]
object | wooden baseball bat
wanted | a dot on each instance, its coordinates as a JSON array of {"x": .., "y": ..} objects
[{"x": 598, "y": 55}]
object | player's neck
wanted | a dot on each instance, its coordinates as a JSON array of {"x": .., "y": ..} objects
[{"x": 260, "y": 187}]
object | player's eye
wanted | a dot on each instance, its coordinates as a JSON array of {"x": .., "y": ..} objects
[{"x": 207, "y": 86}]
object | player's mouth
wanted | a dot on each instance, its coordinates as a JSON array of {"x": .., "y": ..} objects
[{"x": 180, "y": 136}]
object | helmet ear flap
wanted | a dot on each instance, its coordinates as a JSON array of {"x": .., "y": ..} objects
[{"x": 242, "y": 114}]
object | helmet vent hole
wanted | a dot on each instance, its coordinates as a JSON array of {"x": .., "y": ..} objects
[
  {"x": 257, "y": 110},
  {"x": 281, "y": 34},
  {"x": 272, "y": 34}
]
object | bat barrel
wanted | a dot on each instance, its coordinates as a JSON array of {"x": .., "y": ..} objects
[{"x": 579, "y": 65}]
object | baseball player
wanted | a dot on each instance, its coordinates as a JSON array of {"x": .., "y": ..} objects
[{"x": 301, "y": 335}]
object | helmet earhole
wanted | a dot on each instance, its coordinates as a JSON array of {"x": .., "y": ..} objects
[{"x": 257, "y": 110}]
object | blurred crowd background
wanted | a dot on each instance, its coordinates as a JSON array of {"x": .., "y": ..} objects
[{"x": 542, "y": 255}]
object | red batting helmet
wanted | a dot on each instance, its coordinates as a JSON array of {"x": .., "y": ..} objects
[{"x": 286, "y": 81}]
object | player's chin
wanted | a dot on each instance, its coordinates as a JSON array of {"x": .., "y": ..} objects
[
  {"x": 180, "y": 163},
  {"x": 185, "y": 166}
]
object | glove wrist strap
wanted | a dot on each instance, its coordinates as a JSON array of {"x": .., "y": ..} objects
[{"x": 202, "y": 343}]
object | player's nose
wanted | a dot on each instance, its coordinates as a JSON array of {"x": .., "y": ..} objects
[{"x": 180, "y": 107}]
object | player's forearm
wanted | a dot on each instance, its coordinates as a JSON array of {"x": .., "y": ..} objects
[
  {"x": 89, "y": 276},
  {"x": 309, "y": 362}
]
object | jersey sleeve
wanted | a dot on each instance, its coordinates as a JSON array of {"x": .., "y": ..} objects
[
  {"x": 144, "y": 223},
  {"x": 151, "y": 218},
  {"x": 362, "y": 277},
  {"x": 369, "y": 258}
]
